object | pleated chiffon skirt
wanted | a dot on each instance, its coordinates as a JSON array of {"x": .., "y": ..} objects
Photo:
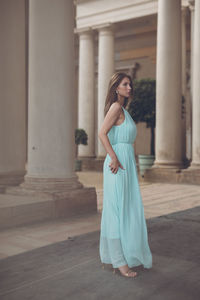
[{"x": 123, "y": 234}]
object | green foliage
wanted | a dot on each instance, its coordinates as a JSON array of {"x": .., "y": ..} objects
[
  {"x": 81, "y": 137},
  {"x": 143, "y": 106}
]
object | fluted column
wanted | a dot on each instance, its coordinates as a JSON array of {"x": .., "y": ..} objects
[
  {"x": 105, "y": 71},
  {"x": 168, "y": 106},
  {"x": 12, "y": 92},
  {"x": 86, "y": 91},
  {"x": 51, "y": 145},
  {"x": 196, "y": 90}
]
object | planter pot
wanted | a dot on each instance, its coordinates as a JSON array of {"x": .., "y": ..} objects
[
  {"x": 78, "y": 165},
  {"x": 145, "y": 162}
]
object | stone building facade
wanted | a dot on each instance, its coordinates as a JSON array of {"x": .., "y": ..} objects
[
  {"x": 38, "y": 113},
  {"x": 157, "y": 39}
]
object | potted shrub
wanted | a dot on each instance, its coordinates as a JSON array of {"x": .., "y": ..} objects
[
  {"x": 143, "y": 109},
  {"x": 81, "y": 137}
]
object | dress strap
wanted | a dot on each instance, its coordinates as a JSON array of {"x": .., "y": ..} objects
[{"x": 123, "y": 108}]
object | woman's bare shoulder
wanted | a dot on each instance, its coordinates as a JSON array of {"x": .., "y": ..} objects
[{"x": 115, "y": 107}]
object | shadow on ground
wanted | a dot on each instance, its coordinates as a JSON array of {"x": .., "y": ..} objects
[{"x": 72, "y": 270}]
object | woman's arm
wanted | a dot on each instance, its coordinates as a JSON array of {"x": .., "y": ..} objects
[{"x": 110, "y": 119}]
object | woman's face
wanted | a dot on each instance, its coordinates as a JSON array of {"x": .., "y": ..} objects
[{"x": 124, "y": 88}]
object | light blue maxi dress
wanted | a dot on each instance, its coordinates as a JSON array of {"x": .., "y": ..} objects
[{"x": 123, "y": 235}]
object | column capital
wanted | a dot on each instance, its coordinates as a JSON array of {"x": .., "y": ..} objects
[
  {"x": 82, "y": 31},
  {"x": 104, "y": 28},
  {"x": 184, "y": 10},
  {"x": 191, "y": 5}
]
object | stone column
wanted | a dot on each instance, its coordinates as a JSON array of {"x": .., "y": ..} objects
[
  {"x": 51, "y": 145},
  {"x": 191, "y": 7},
  {"x": 86, "y": 91},
  {"x": 168, "y": 106},
  {"x": 196, "y": 90},
  {"x": 184, "y": 83},
  {"x": 12, "y": 92},
  {"x": 105, "y": 71},
  {"x": 189, "y": 106}
]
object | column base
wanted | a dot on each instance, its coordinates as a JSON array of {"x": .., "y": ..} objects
[
  {"x": 190, "y": 175},
  {"x": 168, "y": 165},
  {"x": 50, "y": 185},
  {"x": 11, "y": 179},
  {"x": 30, "y": 203},
  {"x": 157, "y": 173},
  {"x": 193, "y": 167}
]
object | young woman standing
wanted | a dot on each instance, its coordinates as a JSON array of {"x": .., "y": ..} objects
[{"x": 123, "y": 236}]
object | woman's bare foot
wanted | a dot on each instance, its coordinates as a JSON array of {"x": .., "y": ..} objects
[{"x": 125, "y": 271}]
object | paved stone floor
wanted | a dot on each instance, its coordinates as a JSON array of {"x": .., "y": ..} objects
[
  {"x": 59, "y": 260},
  {"x": 158, "y": 199},
  {"x": 71, "y": 269}
]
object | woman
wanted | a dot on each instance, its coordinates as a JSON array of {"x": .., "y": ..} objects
[{"x": 123, "y": 236}]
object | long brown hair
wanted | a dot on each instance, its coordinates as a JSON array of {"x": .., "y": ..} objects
[{"x": 113, "y": 84}]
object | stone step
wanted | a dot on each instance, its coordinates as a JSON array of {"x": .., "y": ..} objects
[
  {"x": 170, "y": 175},
  {"x": 22, "y": 209}
]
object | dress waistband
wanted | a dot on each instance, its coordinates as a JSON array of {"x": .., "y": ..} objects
[{"x": 122, "y": 143}]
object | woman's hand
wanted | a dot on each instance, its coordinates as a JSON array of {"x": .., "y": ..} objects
[{"x": 115, "y": 165}]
